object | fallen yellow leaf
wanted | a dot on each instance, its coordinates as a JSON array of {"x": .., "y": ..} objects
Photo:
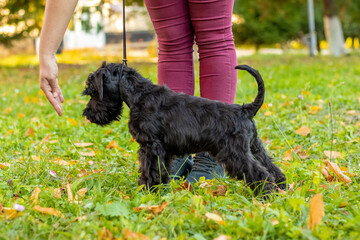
[
  {"x": 303, "y": 131},
  {"x": 153, "y": 209},
  {"x": 9, "y": 213},
  {"x": 351, "y": 112},
  {"x": 333, "y": 167},
  {"x": 45, "y": 139},
  {"x": 78, "y": 144},
  {"x": 35, "y": 195},
  {"x": 30, "y": 132},
  {"x": 287, "y": 155},
  {"x": 72, "y": 122},
  {"x": 333, "y": 154},
  {"x": 68, "y": 189},
  {"x": 7, "y": 110},
  {"x": 215, "y": 217},
  {"x": 82, "y": 192},
  {"x": 220, "y": 191},
  {"x": 57, "y": 193},
  {"x": 316, "y": 212},
  {"x": 20, "y": 115},
  {"x": 49, "y": 211},
  {"x": 88, "y": 154},
  {"x": 4, "y": 165},
  {"x": 223, "y": 237},
  {"x": 112, "y": 145},
  {"x": 314, "y": 110},
  {"x": 326, "y": 174},
  {"x": 129, "y": 235},
  {"x": 268, "y": 113},
  {"x": 62, "y": 162}
]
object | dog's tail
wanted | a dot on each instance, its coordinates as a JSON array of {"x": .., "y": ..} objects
[{"x": 259, "y": 100}]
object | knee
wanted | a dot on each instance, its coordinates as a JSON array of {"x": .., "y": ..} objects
[{"x": 176, "y": 46}]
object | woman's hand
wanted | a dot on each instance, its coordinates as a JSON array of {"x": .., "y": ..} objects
[{"x": 49, "y": 82}]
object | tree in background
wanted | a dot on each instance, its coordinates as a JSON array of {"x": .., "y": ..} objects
[
  {"x": 333, "y": 29},
  {"x": 20, "y": 19},
  {"x": 263, "y": 22}
]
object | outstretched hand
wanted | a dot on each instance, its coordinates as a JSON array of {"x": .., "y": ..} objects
[{"x": 49, "y": 82}]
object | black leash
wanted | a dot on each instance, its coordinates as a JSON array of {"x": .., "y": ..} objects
[
  {"x": 124, "y": 63},
  {"x": 124, "y": 36}
]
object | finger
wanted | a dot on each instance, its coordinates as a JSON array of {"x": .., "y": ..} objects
[
  {"x": 54, "y": 102},
  {"x": 58, "y": 90}
]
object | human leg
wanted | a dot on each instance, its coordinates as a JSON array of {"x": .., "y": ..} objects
[
  {"x": 211, "y": 20},
  {"x": 175, "y": 37}
]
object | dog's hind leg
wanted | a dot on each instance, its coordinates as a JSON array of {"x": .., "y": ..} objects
[
  {"x": 153, "y": 164},
  {"x": 240, "y": 164},
  {"x": 259, "y": 153}
]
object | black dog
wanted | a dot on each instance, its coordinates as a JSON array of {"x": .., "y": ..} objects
[{"x": 168, "y": 124}]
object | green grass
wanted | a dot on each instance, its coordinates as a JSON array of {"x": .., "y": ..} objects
[{"x": 320, "y": 80}]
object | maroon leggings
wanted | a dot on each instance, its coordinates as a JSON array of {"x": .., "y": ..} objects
[{"x": 177, "y": 23}]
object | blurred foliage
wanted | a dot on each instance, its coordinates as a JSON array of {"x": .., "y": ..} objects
[
  {"x": 22, "y": 18},
  {"x": 349, "y": 13},
  {"x": 262, "y": 22},
  {"x": 258, "y": 22}
]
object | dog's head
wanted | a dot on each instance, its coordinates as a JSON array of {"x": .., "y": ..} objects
[{"x": 102, "y": 86}]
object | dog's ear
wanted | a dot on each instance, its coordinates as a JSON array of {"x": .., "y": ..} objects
[
  {"x": 103, "y": 64},
  {"x": 99, "y": 85}
]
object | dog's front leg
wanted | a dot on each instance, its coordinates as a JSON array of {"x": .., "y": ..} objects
[{"x": 153, "y": 164}]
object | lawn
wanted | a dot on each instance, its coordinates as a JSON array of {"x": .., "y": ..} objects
[{"x": 77, "y": 180}]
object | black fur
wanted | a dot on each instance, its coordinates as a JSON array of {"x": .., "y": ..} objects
[{"x": 168, "y": 124}]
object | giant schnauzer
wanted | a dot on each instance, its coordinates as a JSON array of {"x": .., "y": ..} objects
[{"x": 168, "y": 124}]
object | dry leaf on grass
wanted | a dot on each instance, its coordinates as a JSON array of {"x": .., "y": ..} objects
[
  {"x": 57, "y": 193},
  {"x": 215, "y": 217},
  {"x": 334, "y": 168},
  {"x": 62, "y": 162},
  {"x": 303, "y": 131},
  {"x": 84, "y": 144},
  {"x": 35, "y": 195},
  {"x": 287, "y": 155},
  {"x": 105, "y": 234},
  {"x": 70, "y": 195},
  {"x": 316, "y": 212},
  {"x": 81, "y": 194},
  {"x": 72, "y": 122},
  {"x": 220, "y": 191},
  {"x": 351, "y": 112},
  {"x": 49, "y": 211},
  {"x": 30, "y": 132},
  {"x": 314, "y": 110},
  {"x": 87, "y": 154},
  {"x": 333, "y": 154},
  {"x": 9, "y": 213},
  {"x": 7, "y": 110},
  {"x": 185, "y": 186},
  {"x": 45, "y": 139},
  {"x": 130, "y": 235},
  {"x": 223, "y": 237},
  {"x": 4, "y": 165},
  {"x": 152, "y": 209},
  {"x": 113, "y": 144},
  {"x": 326, "y": 174}
]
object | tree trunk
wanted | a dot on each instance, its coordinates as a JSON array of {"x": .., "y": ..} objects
[{"x": 333, "y": 30}]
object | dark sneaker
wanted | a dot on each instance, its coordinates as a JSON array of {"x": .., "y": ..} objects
[
  {"x": 181, "y": 167},
  {"x": 206, "y": 166}
]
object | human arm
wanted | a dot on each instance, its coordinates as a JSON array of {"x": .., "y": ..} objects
[{"x": 56, "y": 19}]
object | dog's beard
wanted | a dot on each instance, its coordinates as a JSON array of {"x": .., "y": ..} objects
[{"x": 103, "y": 114}]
